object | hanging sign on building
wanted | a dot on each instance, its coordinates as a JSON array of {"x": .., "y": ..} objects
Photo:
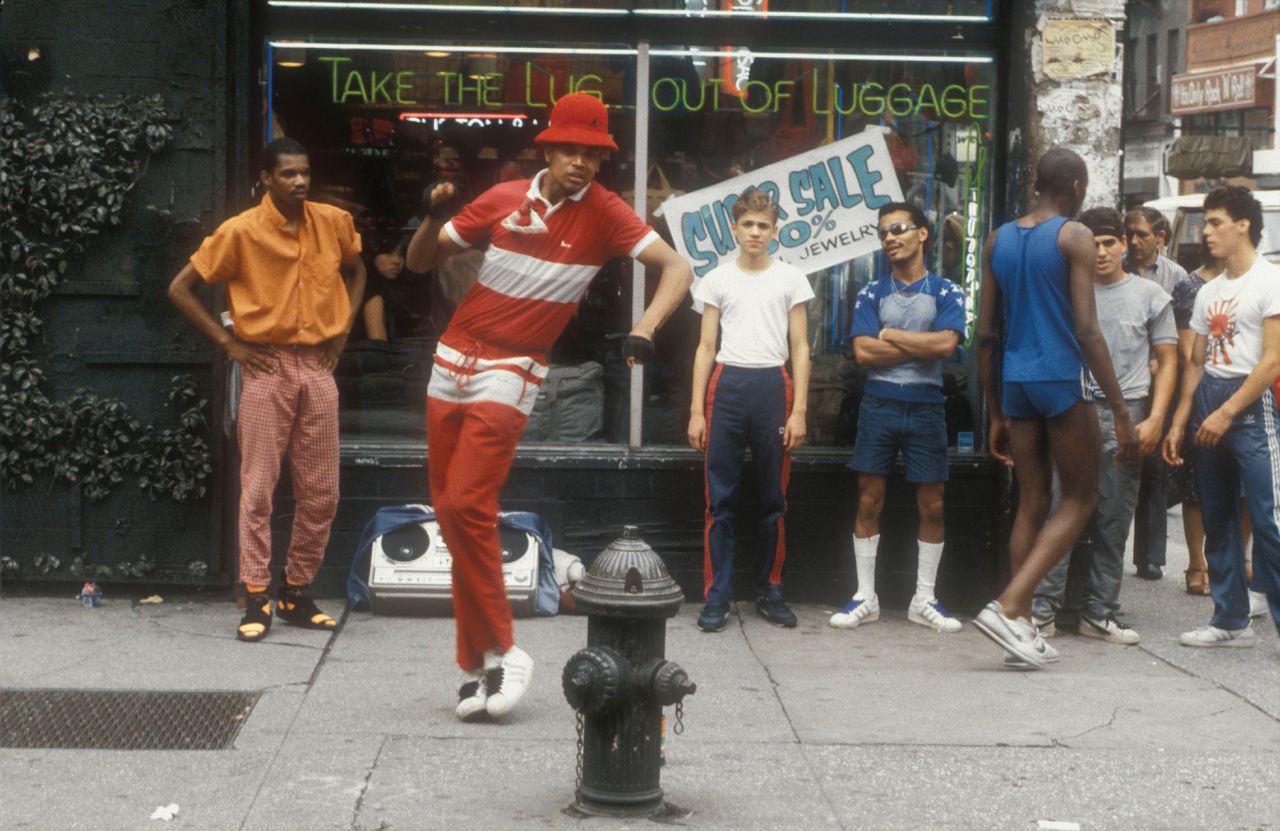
[
  {"x": 1078, "y": 48},
  {"x": 828, "y": 199},
  {"x": 1226, "y": 89}
]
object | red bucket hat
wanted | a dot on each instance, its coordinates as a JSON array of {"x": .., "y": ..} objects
[{"x": 578, "y": 118}]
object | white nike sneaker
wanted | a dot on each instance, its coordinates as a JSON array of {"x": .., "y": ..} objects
[
  {"x": 1107, "y": 629},
  {"x": 1014, "y": 635},
  {"x": 856, "y": 612}
]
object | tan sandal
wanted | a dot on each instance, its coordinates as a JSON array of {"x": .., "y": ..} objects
[{"x": 1197, "y": 581}]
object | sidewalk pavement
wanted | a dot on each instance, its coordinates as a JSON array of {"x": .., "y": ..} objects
[{"x": 888, "y": 726}]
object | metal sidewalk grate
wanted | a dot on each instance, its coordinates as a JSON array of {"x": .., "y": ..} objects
[{"x": 122, "y": 720}]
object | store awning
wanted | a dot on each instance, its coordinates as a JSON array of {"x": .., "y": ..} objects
[
  {"x": 1211, "y": 157},
  {"x": 1231, "y": 88}
]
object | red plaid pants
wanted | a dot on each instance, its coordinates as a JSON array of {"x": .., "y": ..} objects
[{"x": 292, "y": 411}]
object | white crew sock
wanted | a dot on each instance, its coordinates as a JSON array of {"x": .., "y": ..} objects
[
  {"x": 927, "y": 568},
  {"x": 864, "y": 559}
]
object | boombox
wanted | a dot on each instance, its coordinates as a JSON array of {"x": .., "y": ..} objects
[{"x": 409, "y": 571}]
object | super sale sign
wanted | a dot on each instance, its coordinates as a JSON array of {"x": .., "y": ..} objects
[{"x": 828, "y": 200}]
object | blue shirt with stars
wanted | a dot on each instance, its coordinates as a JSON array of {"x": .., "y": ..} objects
[{"x": 931, "y": 304}]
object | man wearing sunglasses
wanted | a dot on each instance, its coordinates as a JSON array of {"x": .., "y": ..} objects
[
  {"x": 905, "y": 325},
  {"x": 1037, "y": 291},
  {"x": 1147, "y": 232}
]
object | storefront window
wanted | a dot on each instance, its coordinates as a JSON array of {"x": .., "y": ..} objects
[
  {"x": 721, "y": 114},
  {"x": 1253, "y": 123},
  {"x": 385, "y": 123}
]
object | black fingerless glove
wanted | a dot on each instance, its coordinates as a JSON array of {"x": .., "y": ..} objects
[
  {"x": 638, "y": 347},
  {"x": 443, "y": 211}
]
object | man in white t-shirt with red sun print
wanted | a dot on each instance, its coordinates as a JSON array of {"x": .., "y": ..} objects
[
  {"x": 1227, "y": 406},
  {"x": 743, "y": 397},
  {"x": 546, "y": 238}
]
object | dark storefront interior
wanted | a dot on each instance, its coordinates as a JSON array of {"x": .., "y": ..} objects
[{"x": 385, "y": 118}]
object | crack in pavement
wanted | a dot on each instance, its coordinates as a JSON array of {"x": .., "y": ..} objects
[
  {"x": 364, "y": 789},
  {"x": 1108, "y": 723},
  {"x": 160, "y": 624},
  {"x": 1185, "y": 671},
  {"x": 288, "y": 731},
  {"x": 813, "y": 773}
]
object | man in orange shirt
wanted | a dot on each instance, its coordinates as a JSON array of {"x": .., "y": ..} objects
[{"x": 294, "y": 279}]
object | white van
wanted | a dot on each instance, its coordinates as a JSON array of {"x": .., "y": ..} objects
[{"x": 1186, "y": 215}]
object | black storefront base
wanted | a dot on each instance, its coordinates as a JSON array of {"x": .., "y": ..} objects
[{"x": 588, "y": 494}]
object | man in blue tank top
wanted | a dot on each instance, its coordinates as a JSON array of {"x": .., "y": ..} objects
[{"x": 1037, "y": 288}]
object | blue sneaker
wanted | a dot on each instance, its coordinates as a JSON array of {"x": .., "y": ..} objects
[
  {"x": 713, "y": 617},
  {"x": 771, "y": 607}
]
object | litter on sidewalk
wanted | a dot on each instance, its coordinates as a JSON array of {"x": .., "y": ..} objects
[{"x": 165, "y": 812}]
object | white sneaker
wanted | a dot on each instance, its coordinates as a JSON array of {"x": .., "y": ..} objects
[
  {"x": 857, "y": 612},
  {"x": 927, "y": 611},
  {"x": 1015, "y": 636},
  {"x": 508, "y": 683},
  {"x": 1258, "y": 605},
  {"x": 1049, "y": 654},
  {"x": 1213, "y": 636},
  {"x": 1046, "y": 626},
  {"x": 1107, "y": 629},
  {"x": 471, "y": 695}
]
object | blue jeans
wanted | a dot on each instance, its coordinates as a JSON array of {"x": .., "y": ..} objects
[{"x": 1248, "y": 457}]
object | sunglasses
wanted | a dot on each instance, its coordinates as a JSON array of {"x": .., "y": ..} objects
[{"x": 897, "y": 229}]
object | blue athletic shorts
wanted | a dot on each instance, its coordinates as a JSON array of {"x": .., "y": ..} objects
[
  {"x": 887, "y": 427},
  {"x": 1040, "y": 399}
]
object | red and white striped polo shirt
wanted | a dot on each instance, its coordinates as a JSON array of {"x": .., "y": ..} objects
[{"x": 540, "y": 261}]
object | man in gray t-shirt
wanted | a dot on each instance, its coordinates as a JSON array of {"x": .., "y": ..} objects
[{"x": 1136, "y": 318}]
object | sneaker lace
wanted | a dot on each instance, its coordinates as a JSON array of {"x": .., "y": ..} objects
[{"x": 1110, "y": 620}]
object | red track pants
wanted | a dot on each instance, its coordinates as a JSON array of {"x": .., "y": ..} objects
[{"x": 476, "y": 411}]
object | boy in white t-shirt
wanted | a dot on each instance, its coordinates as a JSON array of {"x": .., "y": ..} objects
[
  {"x": 1228, "y": 400},
  {"x": 744, "y": 397}
]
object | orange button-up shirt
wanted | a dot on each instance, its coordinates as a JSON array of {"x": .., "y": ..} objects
[{"x": 284, "y": 288}]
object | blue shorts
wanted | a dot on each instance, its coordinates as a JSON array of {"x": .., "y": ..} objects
[
  {"x": 887, "y": 427},
  {"x": 1041, "y": 399}
]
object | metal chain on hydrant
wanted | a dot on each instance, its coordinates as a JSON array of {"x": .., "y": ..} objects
[
  {"x": 577, "y": 782},
  {"x": 679, "y": 728}
]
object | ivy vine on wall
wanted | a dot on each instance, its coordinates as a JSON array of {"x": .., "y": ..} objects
[{"x": 66, "y": 165}]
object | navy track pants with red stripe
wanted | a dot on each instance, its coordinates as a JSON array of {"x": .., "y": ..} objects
[{"x": 745, "y": 408}]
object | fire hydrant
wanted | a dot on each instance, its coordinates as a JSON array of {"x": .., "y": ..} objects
[{"x": 619, "y": 684}]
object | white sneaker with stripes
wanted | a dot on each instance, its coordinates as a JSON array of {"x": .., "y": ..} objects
[
  {"x": 1213, "y": 636},
  {"x": 927, "y": 611}
]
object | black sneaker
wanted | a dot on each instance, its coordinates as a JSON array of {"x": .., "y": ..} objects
[
  {"x": 714, "y": 617},
  {"x": 773, "y": 609}
]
